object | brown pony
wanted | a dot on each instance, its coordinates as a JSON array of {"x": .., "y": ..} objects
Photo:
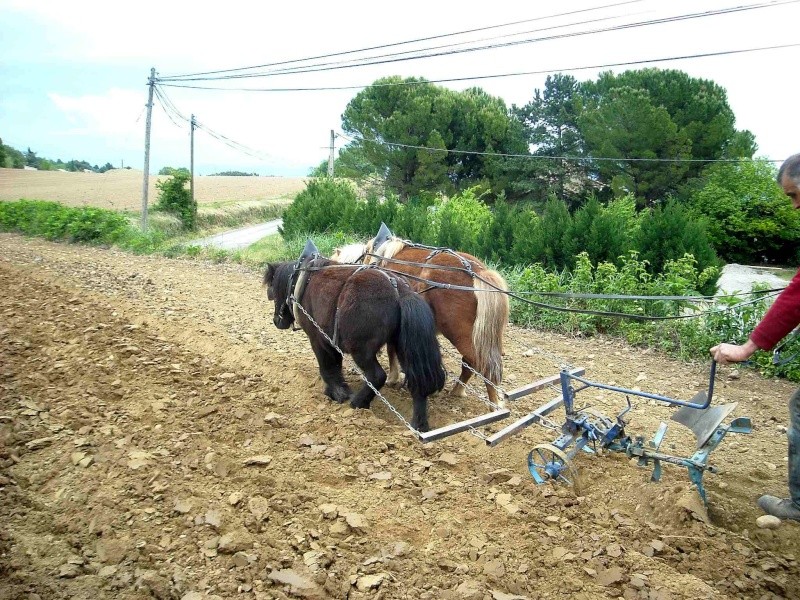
[
  {"x": 360, "y": 309},
  {"x": 473, "y": 321}
]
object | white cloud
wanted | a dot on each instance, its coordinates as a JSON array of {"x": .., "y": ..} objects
[{"x": 113, "y": 113}]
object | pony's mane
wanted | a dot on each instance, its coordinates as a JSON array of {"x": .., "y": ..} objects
[
  {"x": 390, "y": 248},
  {"x": 351, "y": 253}
]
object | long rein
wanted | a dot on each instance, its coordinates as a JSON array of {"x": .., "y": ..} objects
[{"x": 517, "y": 296}]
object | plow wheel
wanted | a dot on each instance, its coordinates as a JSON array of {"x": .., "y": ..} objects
[{"x": 549, "y": 463}]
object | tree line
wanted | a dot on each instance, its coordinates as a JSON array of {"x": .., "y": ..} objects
[
  {"x": 658, "y": 137},
  {"x": 11, "y": 158}
]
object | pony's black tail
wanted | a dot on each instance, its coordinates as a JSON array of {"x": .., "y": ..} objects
[{"x": 417, "y": 347}]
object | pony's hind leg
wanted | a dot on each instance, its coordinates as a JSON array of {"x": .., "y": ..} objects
[
  {"x": 395, "y": 378},
  {"x": 330, "y": 369},
  {"x": 459, "y": 388},
  {"x": 374, "y": 374}
]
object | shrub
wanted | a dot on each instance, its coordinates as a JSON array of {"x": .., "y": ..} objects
[
  {"x": 174, "y": 198},
  {"x": 668, "y": 233},
  {"x": 463, "y": 222},
  {"x": 54, "y": 221},
  {"x": 174, "y": 172},
  {"x": 321, "y": 207},
  {"x": 749, "y": 217}
]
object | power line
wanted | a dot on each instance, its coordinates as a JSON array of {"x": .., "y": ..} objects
[
  {"x": 312, "y": 68},
  {"x": 352, "y": 63},
  {"x": 175, "y": 115},
  {"x": 395, "y": 44},
  {"x": 545, "y": 157},
  {"x": 481, "y": 77}
]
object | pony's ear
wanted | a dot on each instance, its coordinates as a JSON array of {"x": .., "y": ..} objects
[{"x": 269, "y": 274}]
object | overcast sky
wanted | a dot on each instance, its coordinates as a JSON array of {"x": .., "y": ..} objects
[{"x": 73, "y": 77}]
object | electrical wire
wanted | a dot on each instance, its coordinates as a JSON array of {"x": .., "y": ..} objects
[
  {"x": 570, "y": 158},
  {"x": 482, "y": 77},
  {"x": 677, "y": 18},
  {"x": 395, "y": 44},
  {"x": 175, "y": 115}
]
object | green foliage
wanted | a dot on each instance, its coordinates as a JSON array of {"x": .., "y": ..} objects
[
  {"x": 624, "y": 124},
  {"x": 31, "y": 160},
  {"x": 225, "y": 174},
  {"x": 556, "y": 232},
  {"x": 632, "y": 278},
  {"x": 174, "y": 198},
  {"x": 183, "y": 171},
  {"x": 463, "y": 222},
  {"x": 498, "y": 239},
  {"x": 55, "y": 221},
  {"x": 320, "y": 207},
  {"x": 668, "y": 233},
  {"x": 14, "y": 159},
  {"x": 422, "y": 121},
  {"x": 529, "y": 243},
  {"x": 550, "y": 121},
  {"x": 749, "y": 217},
  {"x": 417, "y": 220}
]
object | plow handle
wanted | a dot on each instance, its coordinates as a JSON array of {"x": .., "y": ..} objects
[{"x": 706, "y": 402}]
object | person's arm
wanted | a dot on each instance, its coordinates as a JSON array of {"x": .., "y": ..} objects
[
  {"x": 733, "y": 353},
  {"x": 781, "y": 318}
]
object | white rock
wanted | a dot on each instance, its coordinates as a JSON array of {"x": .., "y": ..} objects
[{"x": 768, "y": 522}]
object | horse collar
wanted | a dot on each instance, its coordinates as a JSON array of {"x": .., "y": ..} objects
[{"x": 297, "y": 285}]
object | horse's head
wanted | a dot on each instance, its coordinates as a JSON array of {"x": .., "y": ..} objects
[{"x": 278, "y": 279}]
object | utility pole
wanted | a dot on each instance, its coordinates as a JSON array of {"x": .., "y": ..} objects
[
  {"x": 145, "y": 185},
  {"x": 330, "y": 157},
  {"x": 191, "y": 159}
]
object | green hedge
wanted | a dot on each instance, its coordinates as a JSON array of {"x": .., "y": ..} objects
[{"x": 55, "y": 221}]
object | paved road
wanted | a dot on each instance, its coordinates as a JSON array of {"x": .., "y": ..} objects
[
  {"x": 236, "y": 239},
  {"x": 740, "y": 278}
]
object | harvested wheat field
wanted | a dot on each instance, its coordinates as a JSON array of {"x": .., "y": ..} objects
[
  {"x": 160, "y": 438},
  {"x": 121, "y": 189}
]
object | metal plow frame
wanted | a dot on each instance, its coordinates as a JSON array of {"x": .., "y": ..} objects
[{"x": 589, "y": 431}]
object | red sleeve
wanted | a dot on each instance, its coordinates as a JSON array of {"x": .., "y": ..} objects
[{"x": 781, "y": 318}]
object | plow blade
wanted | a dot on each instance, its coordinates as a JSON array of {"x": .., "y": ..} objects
[{"x": 703, "y": 422}]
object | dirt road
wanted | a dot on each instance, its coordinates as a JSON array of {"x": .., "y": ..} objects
[{"x": 160, "y": 438}]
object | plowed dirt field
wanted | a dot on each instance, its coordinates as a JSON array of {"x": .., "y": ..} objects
[{"x": 160, "y": 438}]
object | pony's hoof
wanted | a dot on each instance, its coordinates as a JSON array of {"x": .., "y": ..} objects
[
  {"x": 338, "y": 395},
  {"x": 422, "y": 427},
  {"x": 458, "y": 391}
]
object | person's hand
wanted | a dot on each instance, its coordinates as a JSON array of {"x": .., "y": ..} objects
[{"x": 733, "y": 353}]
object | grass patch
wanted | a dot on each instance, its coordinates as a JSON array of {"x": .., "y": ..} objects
[
  {"x": 786, "y": 274},
  {"x": 226, "y": 215}
]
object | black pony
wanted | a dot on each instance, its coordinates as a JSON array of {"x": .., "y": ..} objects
[{"x": 360, "y": 309}]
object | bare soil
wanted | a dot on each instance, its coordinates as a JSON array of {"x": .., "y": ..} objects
[
  {"x": 121, "y": 189},
  {"x": 160, "y": 438}
]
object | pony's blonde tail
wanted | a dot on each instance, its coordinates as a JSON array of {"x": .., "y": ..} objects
[{"x": 490, "y": 325}]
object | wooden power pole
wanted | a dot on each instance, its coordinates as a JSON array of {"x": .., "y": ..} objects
[
  {"x": 191, "y": 158},
  {"x": 330, "y": 157},
  {"x": 146, "y": 184}
]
